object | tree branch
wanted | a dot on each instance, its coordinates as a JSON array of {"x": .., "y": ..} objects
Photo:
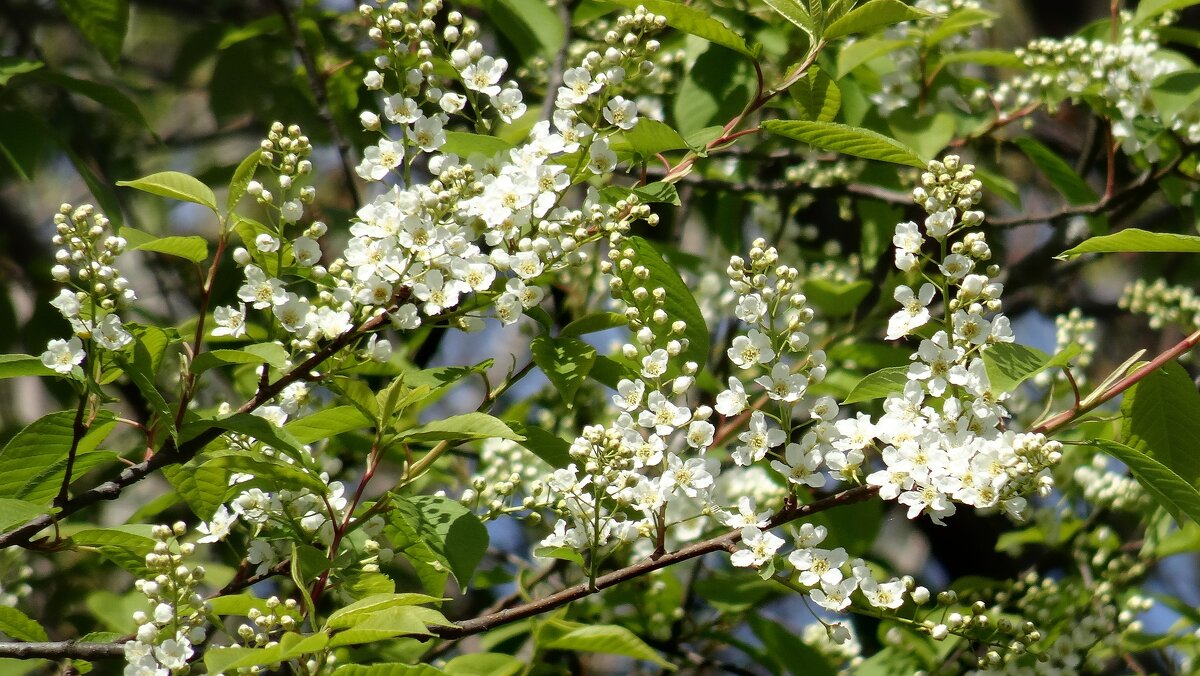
[
  {"x": 57, "y": 650},
  {"x": 719, "y": 543}
]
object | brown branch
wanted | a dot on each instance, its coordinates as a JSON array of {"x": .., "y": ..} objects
[
  {"x": 718, "y": 543},
  {"x": 316, "y": 81},
  {"x": 57, "y": 650},
  {"x": 1064, "y": 418}
]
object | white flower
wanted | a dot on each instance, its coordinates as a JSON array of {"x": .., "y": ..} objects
[
  {"x": 67, "y": 303},
  {"x": 750, "y": 309},
  {"x": 261, "y": 291},
  {"x": 733, "y": 400},
  {"x": 527, "y": 264},
  {"x": 577, "y": 86},
  {"x": 700, "y": 434},
  {"x": 663, "y": 415},
  {"x": 291, "y": 211},
  {"x": 63, "y": 355},
  {"x": 401, "y": 110},
  {"x": 751, "y": 349},
  {"x": 427, "y": 133},
  {"x": 266, "y": 243},
  {"x": 801, "y": 466},
  {"x": 692, "y": 476},
  {"x": 817, "y": 565},
  {"x": 621, "y": 113},
  {"x": 293, "y": 314},
  {"x": 971, "y": 328},
  {"x": 307, "y": 251},
  {"x": 886, "y": 595},
  {"x": 782, "y": 384},
  {"x": 484, "y": 75},
  {"x": 757, "y": 440},
  {"x": 601, "y": 159},
  {"x": 629, "y": 394},
  {"x": 452, "y": 102},
  {"x": 230, "y": 321},
  {"x": 333, "y": 323},
  {"x": 938, "y": 365},
  {"x": 378, "y": 350},
  {"x": 834, "y": 597},
  {"x": 163, "y": 613},
  {"x": 760, "y": 547},
  {"x": 915, "y": 312},
  {"x": 654, "y": 365},
  {"x": 110, "y": 334},
  {"x": 508, "y": 104},
  {"x": 938, "y": 225},
  {"x": 745, "y": 516},
  {"x": 174, "y": 654},
  {"x": 956, "y": 266}
]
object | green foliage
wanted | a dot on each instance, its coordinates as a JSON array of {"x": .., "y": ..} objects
[{"x": 845, "y": 139}]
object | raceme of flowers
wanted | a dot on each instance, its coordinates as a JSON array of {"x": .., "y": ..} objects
[{"x": 1120, "y": 72}]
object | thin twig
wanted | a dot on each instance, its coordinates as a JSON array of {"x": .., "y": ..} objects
[{"x": 718, "y": 543}]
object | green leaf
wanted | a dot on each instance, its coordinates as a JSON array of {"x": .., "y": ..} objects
[
  {"x": 609, "y": 639},
  {"x": 241, "y": 179},
  {"x": 1168, "y": 488},
  {"x": 657, "y": 192},
  {"x": 175, "y": 185},
  {"x": 126, "y": 546},
  {"x": 14, "y": 365},
  {"x": 290, "y": 646},
  {"x": 244, "y": 423},
  {"x": 859, "y": 52},
  {"x": 651, "y": 137},
  {"x": 692, "y": 20},
  {"x": 1176, "y": 92},
  {"x": 484, "y": 664},
  {"x": 984, "y": 57},
  {"x": 565, "y": 361},
  {"x": 11, "y": 66},
  {"x": 959, "y": 21},
  {"x": 450, "y": 531},
  {"x": 531, "y": 25},
  {"x": 817, "y": 95},
  {"x": 202, "y": 488},
  {"x": 544, "y": 444},
  {"x": 465, "y": 427},
  {"x": 43, "y": 486},
  {"x": 847, "y": 140},
  {"x": 1148, "y": 9},
  {"x": 20, "y": 626},
  {"x": 714, "y": 89},
  {"x": 1161, "y": 419},
  {"x": 678, "y": 302},
  {"x": 610, "y": 372},
  {"x": 560, "y": 553},
  {"x": 927, "y": 135},
  {"x": 599, "y": 321},
  {"x": 1061, "y": 175},
  {"x": 108, "y": 96},
  {"x": 13, "y": 513},
  {"x": 872, "y": 15},
  {"x": 878, "y": 385},
  {"x": 836, "y": 299},
  {"x": 1135, "y": 240},
  {"x": 796, "y": 13},
  {"x": 141, "y": 371},
  {"x": 348, "y": 616},
  {"x": 1010, "y": 364},
  {"x": 465, "y": 144},
  {"x": 102, "y": 22},
  {"x": 191, "y": 247},
  {"x": 1000, "y": 185},
  {"x": 264, "y": 468},
  {"x": 387, "y": 669},
  {"x": 261, "y": 353},
  {"x": 43, "y": 443},
  {"x": 327, "y": 422},
  {"x": 791, "y": 653}
]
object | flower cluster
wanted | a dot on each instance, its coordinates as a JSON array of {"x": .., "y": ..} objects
[
  {"x": 1106, "y": 488},
  {"x": 1122, "y": 72},
  {"x": 1072, "y": 329},
  {"x": 1164, "y": 304},
  {"x": 942, "y": 438},
  {"x": 902, "y": 84},
  {"x": 175, "y": 621},
  {"x": 509, "y": 479},
  {"x": 86, "y": 260}
]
